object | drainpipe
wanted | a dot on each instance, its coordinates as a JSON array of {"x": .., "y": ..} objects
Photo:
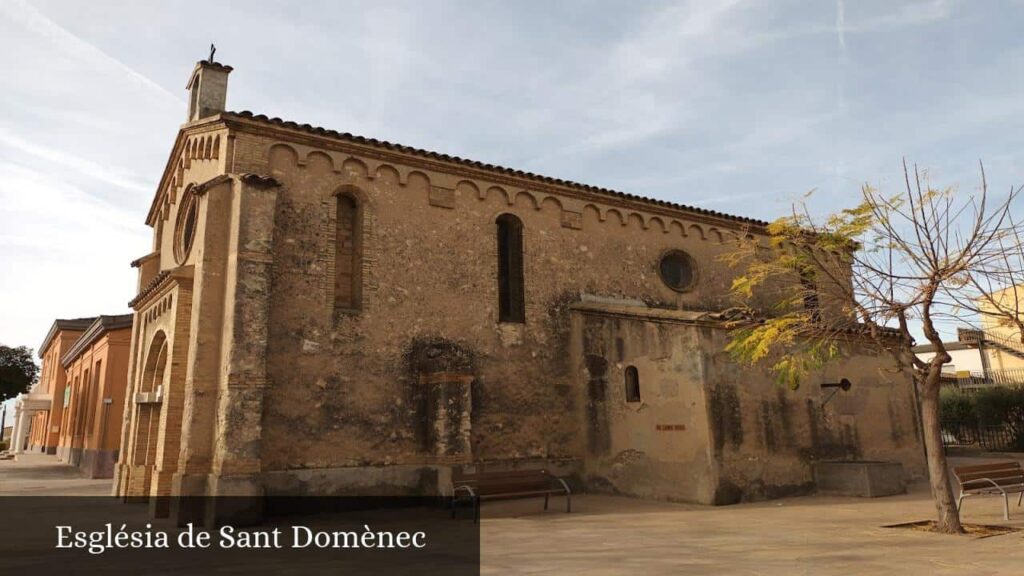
[
  {"x": 101, "y": 441},
  {"x": 986, "y": 368}
]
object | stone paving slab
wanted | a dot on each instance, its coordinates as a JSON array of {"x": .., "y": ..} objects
[
  {"x": 607, "y": 535},
  {"x": 813, "y": 535},
  {"x": 808, "y": 535},
  {"x": 42, "y": 474}
]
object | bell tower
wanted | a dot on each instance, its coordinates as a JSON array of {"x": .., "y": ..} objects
[{"x": 207, "y": 88}]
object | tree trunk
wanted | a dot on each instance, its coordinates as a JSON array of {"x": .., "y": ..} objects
[{"x": 942, "y": 489}]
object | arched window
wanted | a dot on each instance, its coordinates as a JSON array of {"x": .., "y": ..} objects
[
  {"x": 156, "y": 363},
  {"x": 348, "y": 261},
  {"x": 511, "y": 298},
  {"x": 147, "y": 417},
  {"x": 632, "y": 384}
]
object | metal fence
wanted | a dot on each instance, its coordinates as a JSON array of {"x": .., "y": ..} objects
[
  {"x": 1006, "y": 377},
  {"x": 970, "y": 434}
]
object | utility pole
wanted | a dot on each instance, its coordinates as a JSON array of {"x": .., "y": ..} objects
[{"x": 3, "y": 416}]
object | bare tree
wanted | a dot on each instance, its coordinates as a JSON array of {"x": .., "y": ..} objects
[{"x": 870, "y": 273}]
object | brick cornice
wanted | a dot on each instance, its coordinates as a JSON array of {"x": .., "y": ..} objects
[
  {"x": 394, "y": 153},
  {"x": 159, "y": 282}
]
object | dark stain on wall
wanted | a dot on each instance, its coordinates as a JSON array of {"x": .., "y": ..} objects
[
  {"x": 767, "y": 420},
  {"x": 776, "y": 429},
  {"x": 449, "y": 402},
  {"x": 896, "y": 432},
  {"x": 727, "y": 493},
  {"x": 758, "y": 490},
  {"x": 598, "y": 433},
  {"x": 556, "y": 325},
  {"x": 827, "y": 443},
  {"x": 813, "y": 423},
  {"x": 428, "y": 356},
  {"x": 785, "y": 420},
  {"x": 435, "y": 354},
  {"x": 726, "y": 417},
  {"x": 850, "y": 441}
]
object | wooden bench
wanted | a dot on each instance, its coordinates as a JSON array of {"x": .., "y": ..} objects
[
  {"x": 474, "y": 488},
  {"x": 991, "y": 479}
]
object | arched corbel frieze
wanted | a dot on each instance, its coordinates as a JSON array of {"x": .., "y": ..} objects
[
  {"x": 697, "y": 230},
  {"x": 526, "y": 200},
  {"x": 283, "y": 159}
]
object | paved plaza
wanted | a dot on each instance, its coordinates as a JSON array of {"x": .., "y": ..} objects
[
  {"x": 613, "y": 535},
  {"x": 43, "y": 475}
]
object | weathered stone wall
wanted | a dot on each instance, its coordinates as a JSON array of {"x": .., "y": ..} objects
[
  {"x": 658, "y": 447},
  {"x": 345, "y": 388},
  {"x": 312, "y": 385},
  {"x": 765, "y": 436},
  {"x": 709, "y": 430}
]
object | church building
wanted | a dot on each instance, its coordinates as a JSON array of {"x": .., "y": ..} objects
[{"x": 327, "y": 314}]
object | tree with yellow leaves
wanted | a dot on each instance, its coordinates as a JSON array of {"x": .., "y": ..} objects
[{"x": 872, "y": 273}]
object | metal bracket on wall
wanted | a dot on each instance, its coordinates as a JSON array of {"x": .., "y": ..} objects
[{"x": 843, "y": 385}]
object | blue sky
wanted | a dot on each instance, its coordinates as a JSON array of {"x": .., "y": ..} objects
[{"x": 738, "y": 106}]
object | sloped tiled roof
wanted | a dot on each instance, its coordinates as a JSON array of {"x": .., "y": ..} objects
[
  {"x": 71, "y": 324},
  {"x": 98, "y": 328},
  {"x": 437, "y": 156}
]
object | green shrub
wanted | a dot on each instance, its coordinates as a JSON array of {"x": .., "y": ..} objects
[
  {"x": 996, "y": 406},
  {"x": 957, "y": 406},
  {"x": 999, "y": 404}
]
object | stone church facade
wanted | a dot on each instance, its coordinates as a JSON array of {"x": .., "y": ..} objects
[{"x": 324, "y": 314}]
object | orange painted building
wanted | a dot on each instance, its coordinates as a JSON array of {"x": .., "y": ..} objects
[
  {"x": 96, "y": 373},
  {"x": 45, "y": 424}
]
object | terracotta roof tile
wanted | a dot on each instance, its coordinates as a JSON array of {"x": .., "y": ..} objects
[
  {"x": 149, "y": 287},
  {"x": 245, "y": 114}
]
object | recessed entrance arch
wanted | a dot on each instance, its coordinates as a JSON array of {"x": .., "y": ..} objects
[{"x": 148, "y": 403}]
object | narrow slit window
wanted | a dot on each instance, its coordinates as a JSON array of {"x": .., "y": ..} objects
[
  {"x": 511, "y": 297},
  {"x": 348, "y": 266},
  {"x": 632, "y": 384}
]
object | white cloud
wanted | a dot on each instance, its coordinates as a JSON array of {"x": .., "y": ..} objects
[
  {"x": 912, "y": 14},
  {"x": 65, "y": 253},
  {"x": 739, "y": 105},
  {"x": 112, "y": 175},
  {"x": 31, "y": 19}
]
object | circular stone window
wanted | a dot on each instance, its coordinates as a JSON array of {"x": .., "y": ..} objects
[
  {"x": 677, "y": 270},
  {"x": 185, "y": 229}
]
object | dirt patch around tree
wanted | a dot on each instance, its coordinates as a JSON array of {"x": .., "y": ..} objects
[{"x": 972, "y": 530}]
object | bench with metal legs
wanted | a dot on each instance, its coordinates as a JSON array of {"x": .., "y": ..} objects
[
  {"x": 999, "y": 479},
  {"x": 474, "y": 488}
]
